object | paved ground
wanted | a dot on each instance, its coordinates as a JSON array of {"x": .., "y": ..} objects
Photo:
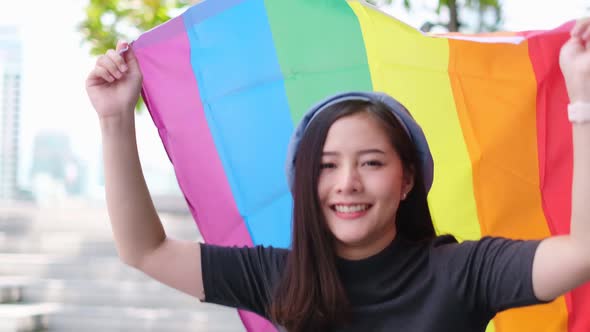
[{"x": 59, "y": 271}]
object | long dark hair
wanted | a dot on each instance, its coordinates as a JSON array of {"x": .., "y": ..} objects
[{"x": 310, "y": 295}]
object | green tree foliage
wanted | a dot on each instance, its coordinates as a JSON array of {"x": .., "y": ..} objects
[
  {"x": 110, "y": 20},
  {"x": 488, "y": 13}
]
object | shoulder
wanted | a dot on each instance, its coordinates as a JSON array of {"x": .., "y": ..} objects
[
  {"x": 241, "y": 277},
  {"x": 258, "y": 251},
  {"x": 263, "y": 264},
  {"x": 443, "y": 240},
  {"x": 448, "y": 243},
  {"x": 448, "y": 250}
]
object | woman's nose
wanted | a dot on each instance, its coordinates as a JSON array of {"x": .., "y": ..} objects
[{"x": 349, "y": 180}]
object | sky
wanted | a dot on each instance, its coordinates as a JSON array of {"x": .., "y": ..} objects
[
  {"x": 518, "y": 14},
  {"x": 55, "y": 64}
]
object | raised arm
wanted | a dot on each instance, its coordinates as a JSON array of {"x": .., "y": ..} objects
[
  {"x": 113, "y": 87},
  {"x": 563, "y": 263}
]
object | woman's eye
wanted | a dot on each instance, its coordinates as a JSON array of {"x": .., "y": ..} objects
[
  {"x": 373, "y": 163},
  {"x": 327, "y": 165}
]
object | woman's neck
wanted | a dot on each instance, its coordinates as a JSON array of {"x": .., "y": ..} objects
[{"x": 366, "y": 249}]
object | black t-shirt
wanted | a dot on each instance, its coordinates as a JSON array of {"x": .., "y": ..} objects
[{"x": 439, "y": 285}]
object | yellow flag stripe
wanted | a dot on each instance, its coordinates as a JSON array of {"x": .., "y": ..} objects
[{"x": 414, "y": 69}]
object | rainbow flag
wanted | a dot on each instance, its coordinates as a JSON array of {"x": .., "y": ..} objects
[{"x": 227, "y": 80}]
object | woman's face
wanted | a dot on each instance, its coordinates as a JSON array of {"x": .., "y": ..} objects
[{"x": 361, "y": 184}]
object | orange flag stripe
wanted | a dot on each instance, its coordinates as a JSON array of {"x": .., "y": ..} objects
[{"x": 495, "y": 85}]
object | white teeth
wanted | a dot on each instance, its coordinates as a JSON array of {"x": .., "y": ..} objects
[{"x": 351, "y": 208}]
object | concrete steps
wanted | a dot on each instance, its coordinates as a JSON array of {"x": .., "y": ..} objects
[
  {"x": 25, "y": 317},
  {"x": 60, "y": 317},
  {"x": 59, "y": 271},
  {"x": 68, "y": 268},
  {"x": 58, "y": 243},
  {"x": 93, "y": 318},
  {"x": 149, "y": 294},
  {"x": 11, "y": 289}
]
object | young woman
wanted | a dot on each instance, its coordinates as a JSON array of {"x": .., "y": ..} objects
[{"x": 364, "y": 254}]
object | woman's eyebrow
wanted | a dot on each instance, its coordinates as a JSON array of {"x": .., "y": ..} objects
[
  {"x": 367, "y": 151},
  {"x": 361, "y": 152}
]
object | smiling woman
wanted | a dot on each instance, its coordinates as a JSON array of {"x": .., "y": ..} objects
[{"x": 367, "y": 167}]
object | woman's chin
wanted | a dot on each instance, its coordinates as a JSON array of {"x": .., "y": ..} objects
[
  {"x": 349, "y": 240},
  {"x": 355, "y": 245}
]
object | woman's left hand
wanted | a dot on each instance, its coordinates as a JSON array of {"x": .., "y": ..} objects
[{"x": 574, "y": 60}]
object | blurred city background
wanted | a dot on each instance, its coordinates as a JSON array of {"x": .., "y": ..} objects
[{"x": 58, "y": 264}]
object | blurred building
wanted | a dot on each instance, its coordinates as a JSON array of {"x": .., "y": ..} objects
[
  {"x": 56, "y": 172},
  {"x": 10, "y": 107}
]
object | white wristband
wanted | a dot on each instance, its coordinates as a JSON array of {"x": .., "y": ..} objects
[{"x": 579, "y": 112}]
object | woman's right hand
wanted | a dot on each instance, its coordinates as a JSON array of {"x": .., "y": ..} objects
[
  {"x": 114, "y": 83},
  {"x": 575, "y": 62}
]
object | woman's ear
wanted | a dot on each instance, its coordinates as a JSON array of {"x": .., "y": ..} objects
[{"x": 408, "y": 181}]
